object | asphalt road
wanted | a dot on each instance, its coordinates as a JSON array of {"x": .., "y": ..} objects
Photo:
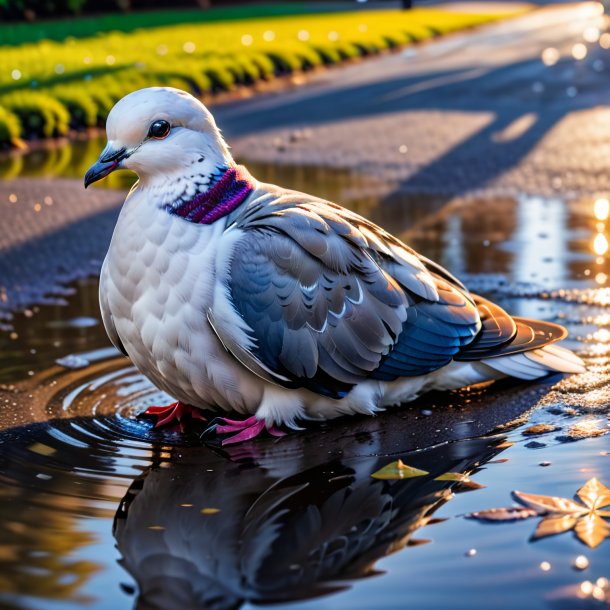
[{"x": 473, "y": 111}]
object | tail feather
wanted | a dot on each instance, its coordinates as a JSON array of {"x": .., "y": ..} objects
[{"x": 537, "y": 363}]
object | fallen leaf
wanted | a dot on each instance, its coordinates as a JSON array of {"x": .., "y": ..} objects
[
  {"x": 594, "y": 494},
  {"x": 398, "y": 470},
  {"x": 562, "y": 514},
  {"x": 452, "y": 476},
  {"x": 549, "y": 504},
  {"x": 592, "y": 530},
  {"x": 553, "y": 525},
  {"x": 42, "y": 449}
]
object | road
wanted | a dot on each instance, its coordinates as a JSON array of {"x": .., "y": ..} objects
[{"x": 474, "y": 111}]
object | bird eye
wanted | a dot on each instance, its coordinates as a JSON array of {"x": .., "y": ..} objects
[{"x": 159, "y": 129}]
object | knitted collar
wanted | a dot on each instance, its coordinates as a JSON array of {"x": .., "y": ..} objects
[{"x": 225, "y": 196}]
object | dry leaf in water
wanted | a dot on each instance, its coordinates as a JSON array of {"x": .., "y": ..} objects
[
  {"x": 587, "y": 519},
  {"x": 398, "y": 470}
]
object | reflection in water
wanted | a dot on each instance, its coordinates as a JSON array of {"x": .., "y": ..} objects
[
  {"x": 56, "y": 478},
  {"x": 600, "y": 244},
  {"x": 601, "y": 207},
  {"x": 540, "y": 240},
  {"x": 204, "y": 532},
  {"x": 71, "y": 159}
]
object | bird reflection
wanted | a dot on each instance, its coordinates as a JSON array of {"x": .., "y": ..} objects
[{"x": 289, "y": 521}]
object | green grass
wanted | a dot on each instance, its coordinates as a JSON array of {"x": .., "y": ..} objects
[
  {"x": 49, "y": 86},
  {"x": 83, "y": 27}
]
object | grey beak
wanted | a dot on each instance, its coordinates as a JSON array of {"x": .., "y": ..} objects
[{"x": 109, "y": 160}]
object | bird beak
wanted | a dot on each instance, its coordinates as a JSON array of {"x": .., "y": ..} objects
[{"x": 109, "y": 160}]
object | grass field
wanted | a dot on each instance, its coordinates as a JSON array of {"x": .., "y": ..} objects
[{"x": 50, "y": 86}]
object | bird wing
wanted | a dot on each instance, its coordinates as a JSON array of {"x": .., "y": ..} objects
[{"x": 311, "y": 295}]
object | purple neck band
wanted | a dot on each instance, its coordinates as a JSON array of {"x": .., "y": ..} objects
[{"x": 224, "y": 197}]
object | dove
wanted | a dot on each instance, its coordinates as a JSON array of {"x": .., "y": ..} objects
[{"x": 276, "y": 307}]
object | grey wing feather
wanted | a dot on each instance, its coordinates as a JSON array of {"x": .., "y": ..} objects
[{"x": 327, "y": 297}]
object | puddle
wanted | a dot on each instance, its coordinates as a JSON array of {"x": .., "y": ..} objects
[{"x": 100, "y": 510}]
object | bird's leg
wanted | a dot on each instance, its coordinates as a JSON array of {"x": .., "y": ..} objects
[
  {"x": 174, "y": 413},
  {"x": 245, "y": 430}
]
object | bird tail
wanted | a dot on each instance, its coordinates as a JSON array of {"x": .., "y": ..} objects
[
  {"x": 518, "y": 347},
  {"x": 536, "y": 363}
]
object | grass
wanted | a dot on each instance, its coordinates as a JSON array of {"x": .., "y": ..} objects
[{"x": 48, "y": 87}]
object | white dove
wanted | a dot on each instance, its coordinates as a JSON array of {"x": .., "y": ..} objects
[{"x": 238, "y": 296}]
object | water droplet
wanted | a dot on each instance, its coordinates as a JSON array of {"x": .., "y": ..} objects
[
  {"x": 581, "y": 563},
  {"x": 246, "y": 40}
]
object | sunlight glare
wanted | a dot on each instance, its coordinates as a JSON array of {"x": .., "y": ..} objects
[
  {"x": 601, "y": 208},
  {"x": 600, "y": 244},
  {"x": 550, "y": 56},
  {"x": 579, "y": 51}
]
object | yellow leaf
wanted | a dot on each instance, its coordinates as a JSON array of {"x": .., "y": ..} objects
[
  {"x": 594, "y": 494},
  {"x": 592, "y": 530},
  {"x": 550, "y": 504},
  {"x": 398, "y": 470},
  {"x": 452, "y": 476},
  {"x": 550, "y": 526}
]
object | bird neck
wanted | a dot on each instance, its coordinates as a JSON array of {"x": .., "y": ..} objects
[{"x": 226, "y": 195}]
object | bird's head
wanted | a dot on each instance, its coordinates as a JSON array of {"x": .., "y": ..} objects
[{"x": 160, "y": 133}]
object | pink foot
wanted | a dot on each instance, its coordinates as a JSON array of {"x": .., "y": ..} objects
[
  {"x": 246, "y": 430},
  {"x": 173, "y": 414}
]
